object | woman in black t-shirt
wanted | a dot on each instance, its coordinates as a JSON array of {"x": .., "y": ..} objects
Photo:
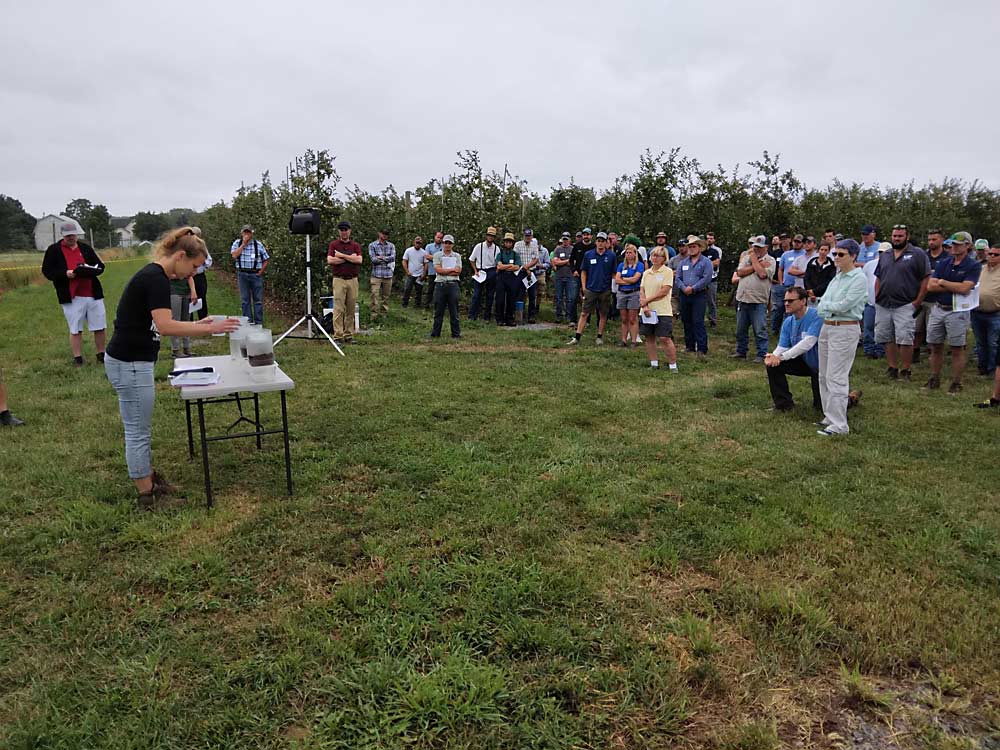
[{"x": 143, "y": 316}]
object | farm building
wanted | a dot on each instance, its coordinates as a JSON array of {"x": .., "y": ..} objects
[
  {"x": 47, "y": 230},
  {"x": 124, "y": 227}
]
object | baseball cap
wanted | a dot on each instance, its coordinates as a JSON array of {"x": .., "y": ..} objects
[
  {"x": 70, "y": 227},
  {"x": 384, "y": 231},
  {"x": 564, "y": 235},
  {"x": 962, "y": 238},
  {"x": 661, "y": 234},
  {"x": 783, "y": 236},
  {"x": 867, "y": 229},
  {"x": 491, "y": 230},
  {"x": 798, "y": 238},
  {"x": 600, "y": 235},
  {"x": 883, "y": 246},
  {"x": 982, "y": 244},
  {"x": 947, "y": 242},
  {"x": 508, "y": 236},
  {"x": 247, "y": 228},
  {"x": 838, "y": 236},
  {"x": 758, "y": 241},
  {"x": 810, "y": 238},
  {"x": 528, "y": 233},
  {"x": 448, "y": 238},
  {"x": 344, "y": 225},
  {"x": 587, "y": 230}
]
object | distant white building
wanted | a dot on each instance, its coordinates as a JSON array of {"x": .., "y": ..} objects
[
  {"x": 125, "y": 231},
  {"x": 47, "y": 230}
]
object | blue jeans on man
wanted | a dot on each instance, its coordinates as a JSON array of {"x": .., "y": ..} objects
[
  {"x": 870, "y": 346},
  {"x": 566, "y": 293},
  {"x": 986, "y": 329},
  {"x": 486, "y": 290},
  {"x": 693, "y": 316},
  {"x": 777, "y": 306},
  {"x": 251, "y": 296},
  {"x": 751, "y": 314}
]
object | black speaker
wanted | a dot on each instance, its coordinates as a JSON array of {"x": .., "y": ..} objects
[{"x": 304, "y": 221}]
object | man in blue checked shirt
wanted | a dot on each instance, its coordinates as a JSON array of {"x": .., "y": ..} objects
[
  {"x": 251, "y": 259},
  {"x": 692, "y": 278},
  {"x": 383, "y": 257}
]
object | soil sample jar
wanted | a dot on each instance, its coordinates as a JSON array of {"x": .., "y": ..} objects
[{"x": 260, "y": 354}]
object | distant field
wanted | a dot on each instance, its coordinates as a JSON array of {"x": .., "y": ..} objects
[{"x": 25, "y": 267}]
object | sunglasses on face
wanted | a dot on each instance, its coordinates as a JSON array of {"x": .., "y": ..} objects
[
  {"x": 839, "y": 255},
  {"x": 993, "y": 255}
]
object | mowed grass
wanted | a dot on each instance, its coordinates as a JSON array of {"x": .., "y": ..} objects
[{"x": 493, "y": 543}]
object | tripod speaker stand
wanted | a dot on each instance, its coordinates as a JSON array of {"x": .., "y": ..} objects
[{"x": 306, "y": 221}]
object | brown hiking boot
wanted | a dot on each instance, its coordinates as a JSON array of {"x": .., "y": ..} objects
[{"x": 161, "y": 485}]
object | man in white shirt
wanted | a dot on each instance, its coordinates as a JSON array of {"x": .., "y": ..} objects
[
  {"x": 484, "y": 258},
  {"x": 413, "y": 268}
]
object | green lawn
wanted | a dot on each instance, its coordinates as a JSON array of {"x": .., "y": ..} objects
[{"x": 497, "y": 543}]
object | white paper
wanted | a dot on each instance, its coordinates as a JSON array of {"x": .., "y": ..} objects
[
  {"x": 449, "y": 262},
  {"x": 964, "y": 302},
  {"x": 529, "y": 281},
  {"x": 650, "y": 319},
  {"x": 479, "y": 277},
  {"x": 195, "y": 378},
  {"x": 196, "y": 305}
]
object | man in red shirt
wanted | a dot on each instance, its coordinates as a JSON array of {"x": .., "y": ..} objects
[
  {"x": 73, "y": 268},
  {"x": 344, "y": 259}
]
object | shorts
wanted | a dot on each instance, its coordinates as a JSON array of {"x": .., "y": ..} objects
[
  {"x": 895, "y": 325},
  {"x": 948, "y": 327},
  {"x": 600, "y": 300},
  {"x": 628, "y": 300},
  {"x": 83, "y": 309},
  {"x": 663, "y": 328},
  {"x": 921, "y": 320}
]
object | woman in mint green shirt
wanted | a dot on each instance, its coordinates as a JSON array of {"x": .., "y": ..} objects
[{"x": 841, "y": 308}]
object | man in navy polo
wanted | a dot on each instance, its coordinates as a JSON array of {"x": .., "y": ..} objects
[
  {"x": 596, "y": 271},
  {"x": 693, "y": 278},
  {"x": 901, "y": 279},
  {"x": 953, "y": 278}
]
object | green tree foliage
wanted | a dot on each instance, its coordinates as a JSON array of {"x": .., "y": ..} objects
[
  {"x": 149, "y": 226},
  {"x": 16, "y": 225},
  {"x": 669, "y": 191},
  {"x": 95, "y": 220}
]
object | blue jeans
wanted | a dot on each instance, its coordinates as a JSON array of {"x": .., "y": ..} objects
[
  {"x": 868, "y": 341},
  {"x": 133, "y": 381},
  {"x": 487, "y": 289},
  {"x": 693, "y": 317},
  {"x": 252, "y": 296},
  {"x": 986, "y": 329},
  {"x": 751, "y": 314},
  {"x": 565, "y": 298},
  {"x": 777, "y": 306}
]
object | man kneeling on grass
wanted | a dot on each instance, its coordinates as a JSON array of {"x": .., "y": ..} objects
[{"x": 796, "y": 353}]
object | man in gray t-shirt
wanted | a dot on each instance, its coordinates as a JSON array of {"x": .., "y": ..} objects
[{"x": 901, "y": 279}]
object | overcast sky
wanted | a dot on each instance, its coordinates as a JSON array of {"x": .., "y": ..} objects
[{"x": 145, "y": 106}]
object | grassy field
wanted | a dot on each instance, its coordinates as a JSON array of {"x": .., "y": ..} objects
[
  {"x": 497, "y": 543},
  {"x": 23, "y": 268}
]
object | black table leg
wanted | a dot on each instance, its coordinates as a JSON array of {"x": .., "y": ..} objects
[
  {"x": 187, "y": 409},
  {"x": 288, "y": 452},
  {"x": 256, "y": 417},
  {"x": 204, "y": 452}
]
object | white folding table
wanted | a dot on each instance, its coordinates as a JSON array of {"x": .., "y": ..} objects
[{"x": 234, "y": 380}]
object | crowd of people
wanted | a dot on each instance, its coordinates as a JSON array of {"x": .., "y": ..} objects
[{"x": 823, "y": 301}]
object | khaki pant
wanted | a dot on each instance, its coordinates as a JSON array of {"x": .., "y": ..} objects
[
  {"x": 837, "y": 347},
  {"x": 381, "y": 289},
  {"x": 345, "y": 297}
]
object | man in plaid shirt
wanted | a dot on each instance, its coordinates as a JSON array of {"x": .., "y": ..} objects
[
  {"x": 251, "y": 260},
  {"x": 383, "y": 257},
  {"x": 527, "y": 258}
]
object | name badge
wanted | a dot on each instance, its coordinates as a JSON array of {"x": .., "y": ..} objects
[
  {"x": 685, "y": 268},
  {"x": 593, "y": 261},
  {"x": 907, "y": 257}
]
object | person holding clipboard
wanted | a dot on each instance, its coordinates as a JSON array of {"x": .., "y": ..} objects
[
  {"x": 143, "y": 316},
  {"x": 656, "y": 308}
]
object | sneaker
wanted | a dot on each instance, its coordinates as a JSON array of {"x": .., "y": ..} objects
[
  {"x": 599, "y": 341},
  {"x": 854, "y": 398},
  {"x": 100, "y": 358},
  {"x": 737, "y": 355},
  {"x": 826, "y": 432},
  {"x": 905, "y": 375},
  {"x": 77, "y": 361},
  {"x": 822, "y": 423},
  {"x": 9, "y": 420},
  {"x": 954, "y": 388},
  {"x": 654, "y": 367},
  {"x": 892, "y": 373},
  {"x": 933, "y": 383},
  {"x": 623, "y": 344},
  {"x": 993, "y": 403},
  {"x": 573, "y": 341},
  {"x": 161, "y": 485},
  {"x": 758, "y": 360},
  {"x": 456, "y": 335},
  {"x": 638, "y": 340},
  {"x": 146, "y": 500}
]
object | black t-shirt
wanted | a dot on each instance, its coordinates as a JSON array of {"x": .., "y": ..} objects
[
  {"x": 135, "y": 338},
  {"x": 713, "y": 254},
  {"x": 579, "y": 250}
]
